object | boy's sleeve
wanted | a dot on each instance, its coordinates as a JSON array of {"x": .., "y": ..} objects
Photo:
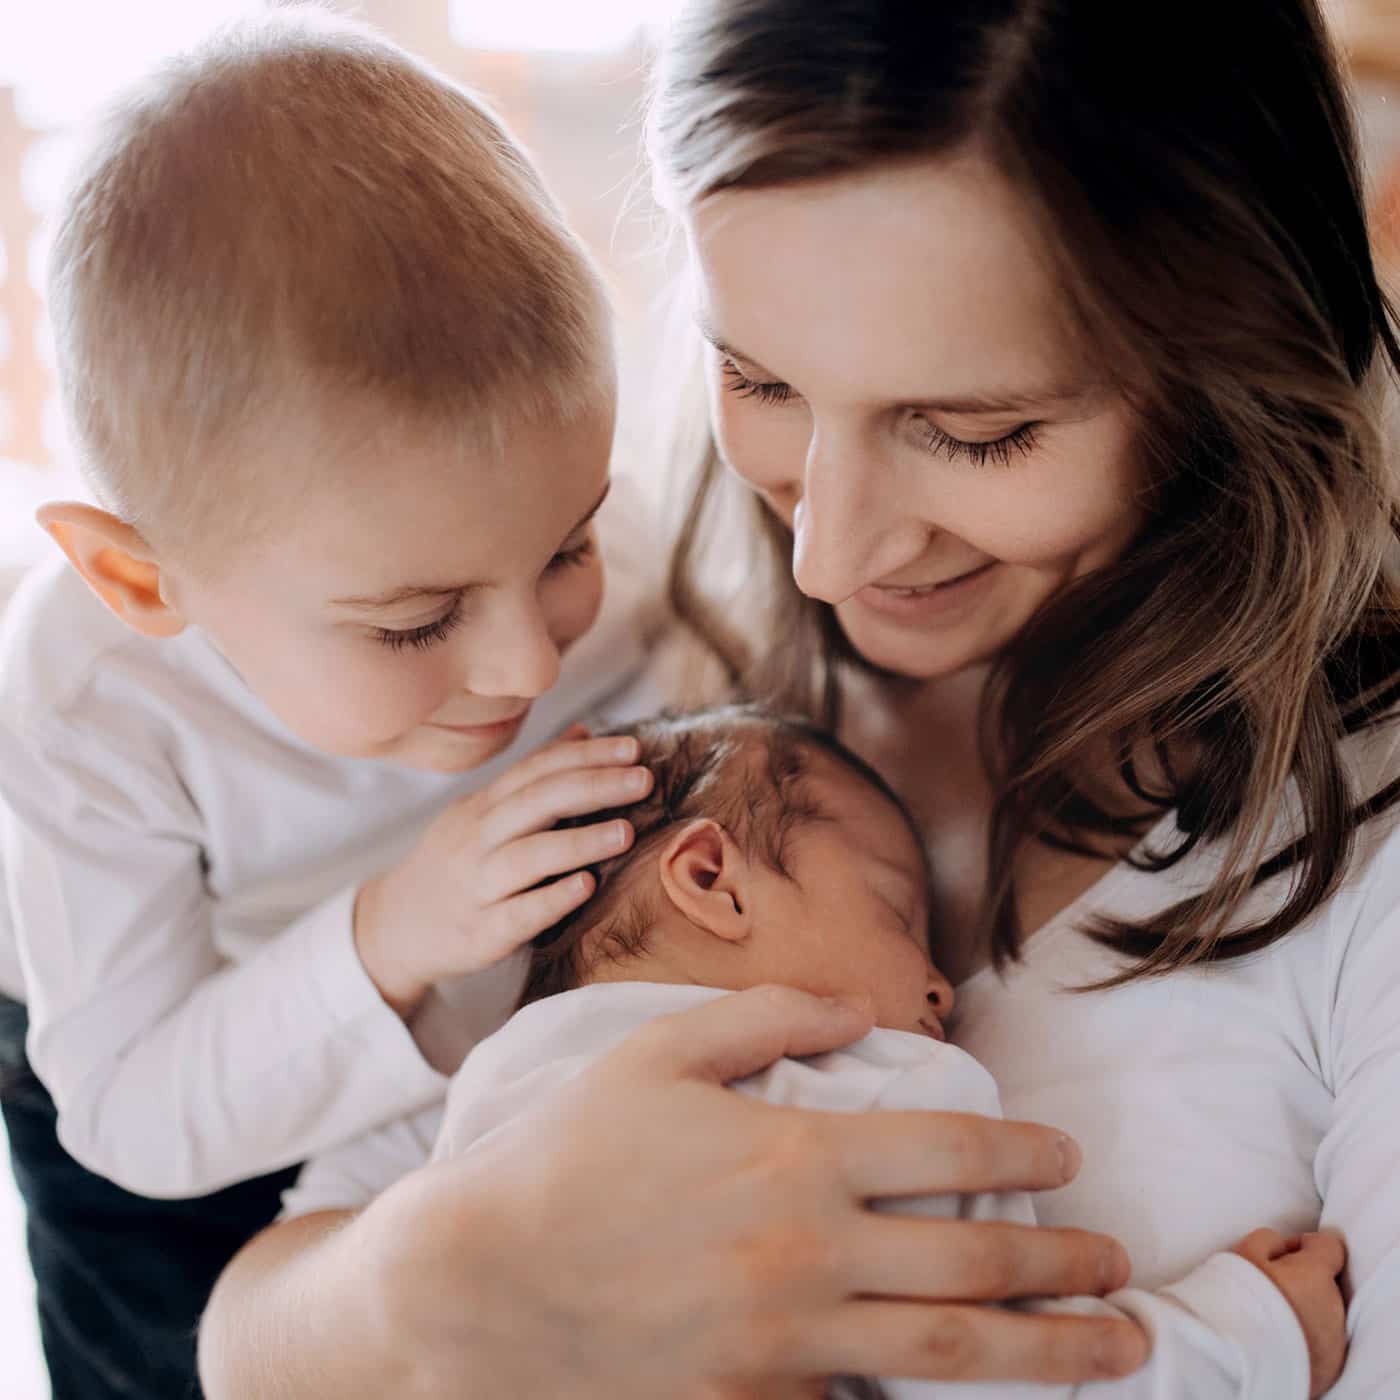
[
  {"x": 1223, "y": 1333},
  {"x": 176, "y": 1071},
  {"x": 350, "y": 1176}
]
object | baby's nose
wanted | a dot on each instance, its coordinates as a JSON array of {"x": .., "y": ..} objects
[{"x": 940, "y": 993}]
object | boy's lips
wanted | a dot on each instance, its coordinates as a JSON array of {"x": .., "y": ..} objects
[
  {"x": 488, "y": 730},
  {"x": 934, "y": 1027}
]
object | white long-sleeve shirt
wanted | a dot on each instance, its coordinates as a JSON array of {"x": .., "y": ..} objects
[
  {"x": 181, "y": 873},
  {"x": 1263, "y": 1091},
  {"x": 1224, "y": 1332}
]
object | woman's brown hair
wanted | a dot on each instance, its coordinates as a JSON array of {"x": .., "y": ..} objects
[{"x": 1194, "y": 171}]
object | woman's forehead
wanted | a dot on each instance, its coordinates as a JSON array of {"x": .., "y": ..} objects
[{"x": 910, "y": 282}]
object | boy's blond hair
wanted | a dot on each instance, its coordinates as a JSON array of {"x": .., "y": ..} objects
[{"x": 298, "y": 222}]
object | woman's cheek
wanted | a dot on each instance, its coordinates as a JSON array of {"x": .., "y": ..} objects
[{"x": 764, "y": 444}]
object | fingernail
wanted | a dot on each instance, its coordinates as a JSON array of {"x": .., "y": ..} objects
[
  {"x": 1115, "y": 1268},
  {"x": 1119, "y": 1352},
  {"x": 1071, "y": 1158},
  {"x": 638, "y": 780},
  {"x": 626, "y": 750},
  {"x": 617, "y": 837}
]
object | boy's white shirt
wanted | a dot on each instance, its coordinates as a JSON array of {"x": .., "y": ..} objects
[
  {"x": 181, "y": 873},
  {"x": 1224, "y": 1332}
]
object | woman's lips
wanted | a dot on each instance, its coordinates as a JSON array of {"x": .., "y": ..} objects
[{"x": 928, "y": 601}]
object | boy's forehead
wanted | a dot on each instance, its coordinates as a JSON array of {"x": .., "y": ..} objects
[{"x": 419, "y": 511}]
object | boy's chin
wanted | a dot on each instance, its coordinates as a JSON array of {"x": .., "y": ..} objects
[{"x": 437, "y": 751}]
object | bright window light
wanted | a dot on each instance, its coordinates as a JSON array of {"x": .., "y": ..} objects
[{"x": 575, "y": 25}]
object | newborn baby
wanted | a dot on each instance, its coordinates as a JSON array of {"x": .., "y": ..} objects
[{"x": 768, "y": 853}]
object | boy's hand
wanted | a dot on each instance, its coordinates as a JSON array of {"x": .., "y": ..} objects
[
  {"x": 1305, "y": 1270},
  {"x": 465, "y": 897}
]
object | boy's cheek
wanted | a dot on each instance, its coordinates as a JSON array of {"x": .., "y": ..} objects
[{"x": 575, "y": 609}]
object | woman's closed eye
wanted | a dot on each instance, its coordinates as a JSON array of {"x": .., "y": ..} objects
[
  {"x": 1020, "y": 441},
  {"x": 745, "y": 387}
]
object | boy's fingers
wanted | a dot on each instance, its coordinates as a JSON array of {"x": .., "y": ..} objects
[
  {"x": 970, "y": 1343},
  {"x": 563, "y": 754},
  {"x": 522, "y": 864},
  {"x": 573, "y": 792},
  {"x": 518, "y": 920}
]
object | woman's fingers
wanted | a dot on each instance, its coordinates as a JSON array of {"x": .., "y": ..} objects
[
  {"x": 901, "y": 1256},
  {"x": 900, "y": 1153},
  {"x": 969, "y": 1343},
  {"x": 741, "y": 1034}
]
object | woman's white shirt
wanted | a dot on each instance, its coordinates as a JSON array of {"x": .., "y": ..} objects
[{"x": 1263, "y": 1091}]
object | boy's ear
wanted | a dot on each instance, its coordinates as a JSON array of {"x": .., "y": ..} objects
[
  {"x": 706, "y": 876},
  {"x": 116, "y": 562}
]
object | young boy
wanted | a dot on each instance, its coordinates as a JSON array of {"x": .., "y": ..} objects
[
  {"x": 343, "y": 387},
  {"x": 766, "y": 853}
]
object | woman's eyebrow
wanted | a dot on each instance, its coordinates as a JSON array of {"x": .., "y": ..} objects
[
  {"x": 967, "y": 405},
  {"x": 415, "y": 592}
]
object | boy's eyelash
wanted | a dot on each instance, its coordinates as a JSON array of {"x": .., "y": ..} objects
[
  {"x": 421, "y": 638},
  {"x": 431, "y": 633},
  {"x": 567, "y": 558},
  {"x": 1023, "y": 440}
]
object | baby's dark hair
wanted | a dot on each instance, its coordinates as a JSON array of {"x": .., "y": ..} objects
[{"x": 741, "y": 765}]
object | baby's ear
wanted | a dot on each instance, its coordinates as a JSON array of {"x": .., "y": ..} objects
[
  {"x": 115, "y": 562},
  {"x": 707, "y": 877}
]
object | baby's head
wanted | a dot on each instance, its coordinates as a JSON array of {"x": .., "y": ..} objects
[
  {"x": 342, "y": 383},
  {"x": 766, "y": 852}
]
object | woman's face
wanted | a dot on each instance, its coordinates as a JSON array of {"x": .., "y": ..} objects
[{"x": 891, "y": 370}]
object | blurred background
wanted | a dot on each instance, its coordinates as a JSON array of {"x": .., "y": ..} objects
[{"x": 569, "y": 77}]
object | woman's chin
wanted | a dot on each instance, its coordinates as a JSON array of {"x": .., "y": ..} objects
[{"x": 909, "y": 653}]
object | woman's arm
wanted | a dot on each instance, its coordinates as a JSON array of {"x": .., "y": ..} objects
[{"x": 647, "y": 1232}]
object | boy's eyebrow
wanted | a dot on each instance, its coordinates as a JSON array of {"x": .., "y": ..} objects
[
  {"x": 970, "y": 405},
  {"x": 412, "y": 592}
]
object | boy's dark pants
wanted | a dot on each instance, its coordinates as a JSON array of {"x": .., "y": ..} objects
[{"x": 121, "y": 1279}]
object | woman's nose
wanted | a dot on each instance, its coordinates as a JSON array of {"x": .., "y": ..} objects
[
  {"x": 845, "y": 533},
  {"x": 940, "y": 993}
]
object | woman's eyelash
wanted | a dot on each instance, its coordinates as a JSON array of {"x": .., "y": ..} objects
[
  {"x": 1022, "y": 441},
  {"x": 739, "y": 383},
  {"x": 421, "y": 638}
]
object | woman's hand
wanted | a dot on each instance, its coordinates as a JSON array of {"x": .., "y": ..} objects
[{"x": 645, "y": 1232}]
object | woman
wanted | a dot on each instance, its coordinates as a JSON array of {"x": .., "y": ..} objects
[{"x": 1058, "y": 374}]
